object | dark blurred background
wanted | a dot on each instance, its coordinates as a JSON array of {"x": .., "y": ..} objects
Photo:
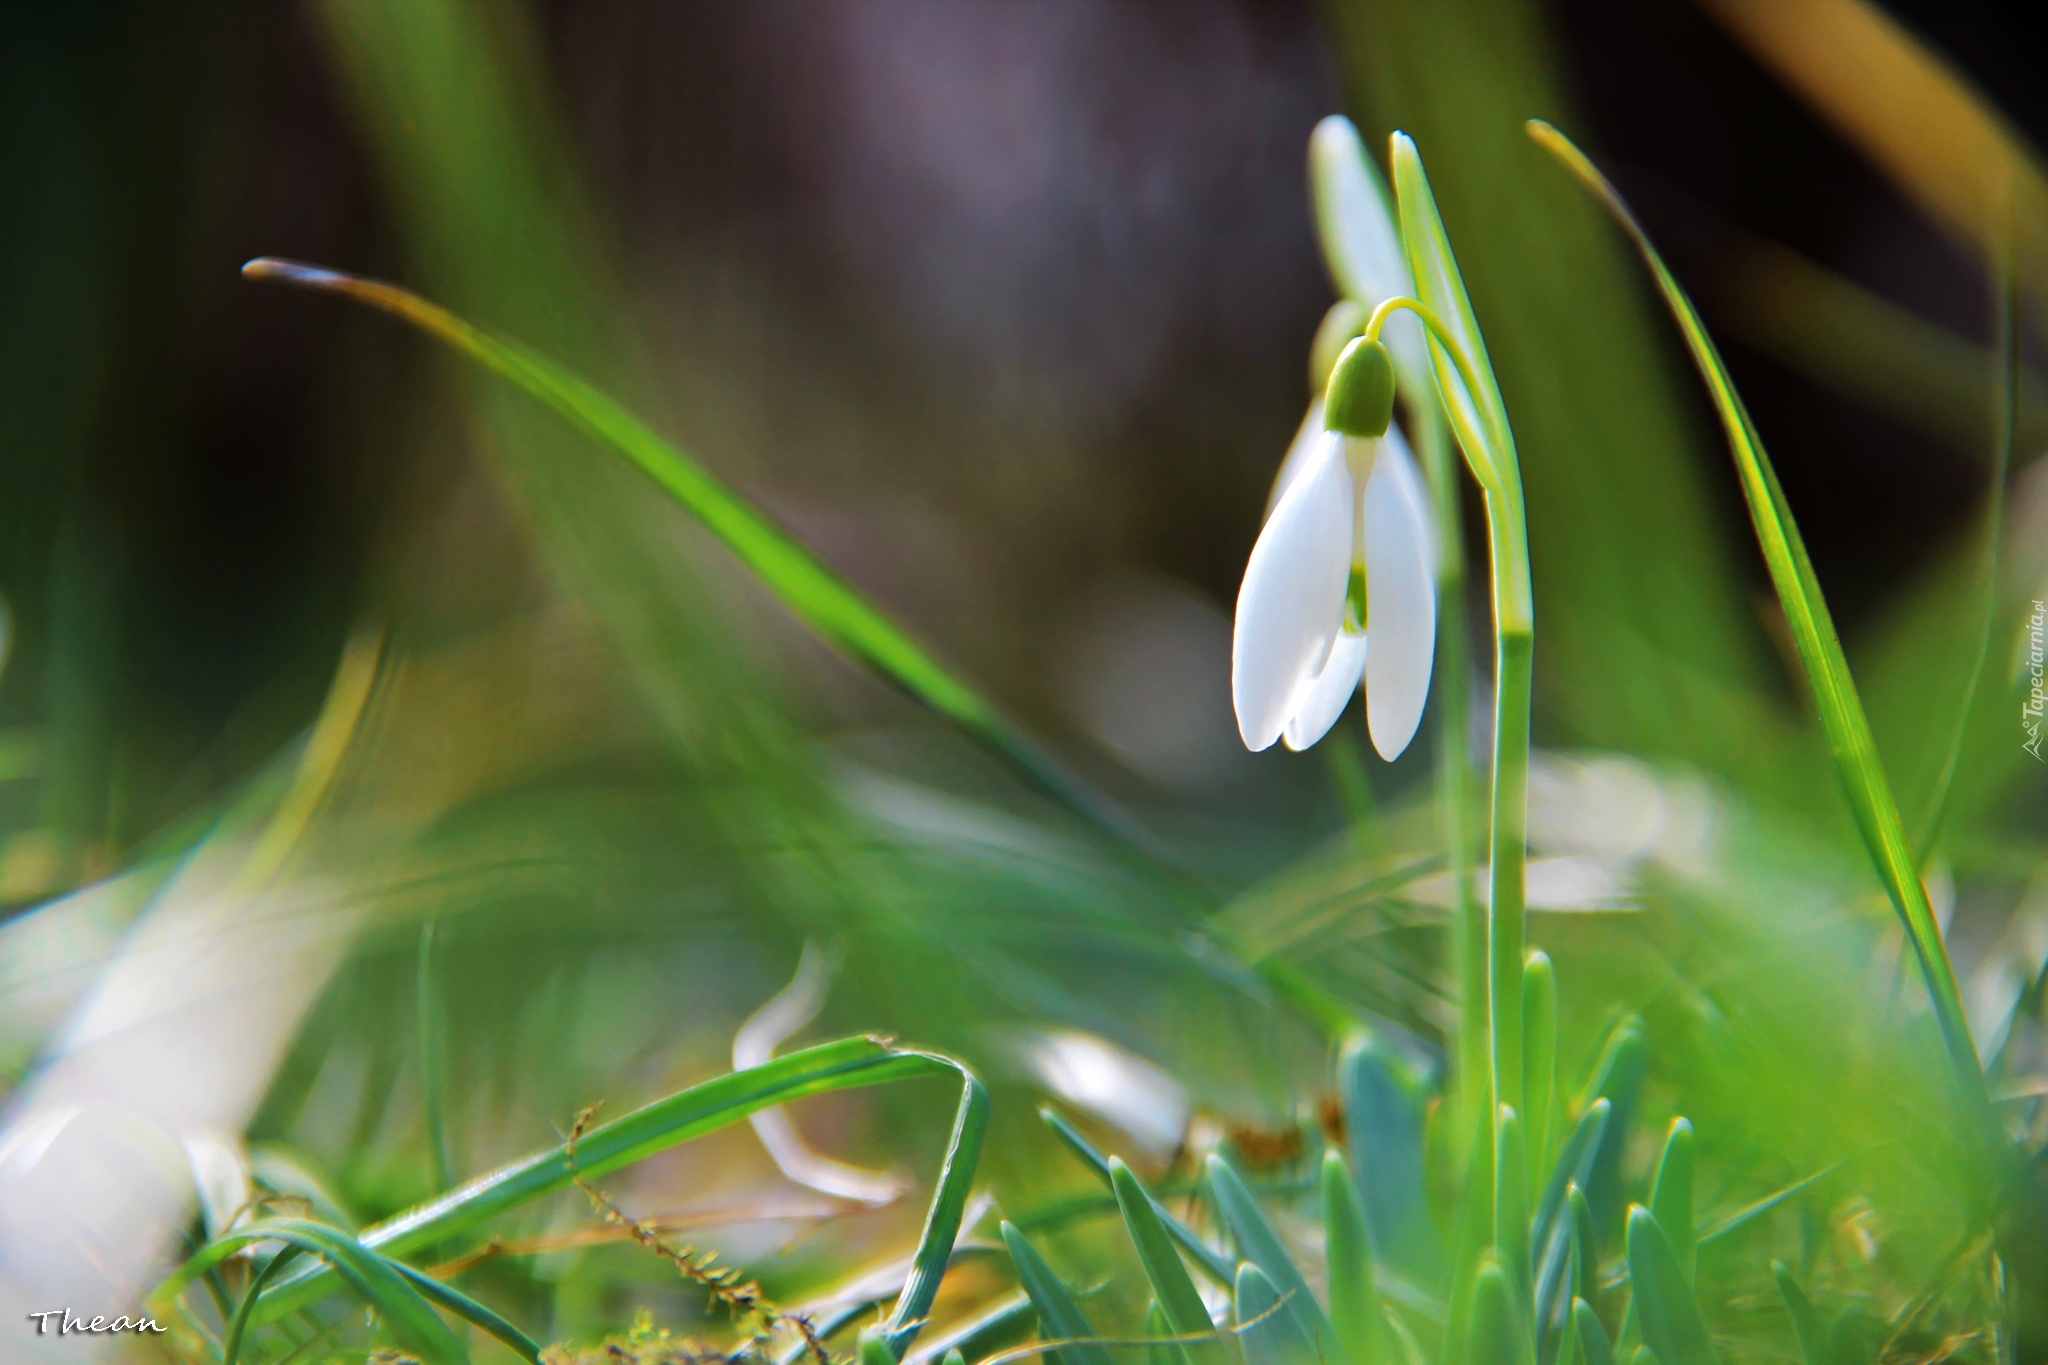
[{"x": 1004, "y": 306}]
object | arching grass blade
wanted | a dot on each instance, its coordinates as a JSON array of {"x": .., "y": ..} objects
[
  {"x": 847, "y": 1064},
  {"x": 807, "y": 586},
  {"x": 1813, "y": 632},
  {"x": 412, "y": 1321}
]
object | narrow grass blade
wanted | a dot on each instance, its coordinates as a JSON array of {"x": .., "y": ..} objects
[
  {"x": 1671, "y": 1192},
  {"x": 1257, "y": 1243},
  {"x": 847, "y": 1064},
  {"x": 1569, "y": 1351},
  {"x": 1617, "y": 1077},
  {"x": 1749, "y": 1213},
  {"x": 1183, "y": 1307},
  {"x": 411, "y": 1320},
  {"x": 1212, "y": 1262},
  {"x": 462, "y": 1306},
  {"x": 991, "y": 1330},
  {"x": 1267, "y": 1333},
  {"x": 1355, "y": 1312},
  {"x": 1813, "y": 632},
  {"x": 1806, "y": 1320},
  {"x": 433, "y": 1053},
  {"x": 807, "y": 586},
  {"x": 1551, "y": 1235},
  {"x": 1511, "y": 1204},
  {"x": 2005, "y": 423},
  {"x": 1594, "y": 1347},
  {"x": 1666, "y": 1309},
  {"x": 1383, "y": 1122},
  {"x": 1059, "y": 1317},
  {"x": 1500, "y": 1330},
  {"x": 1539, "y": 1056},
  {"x": 942, "y": 1221},
  {"x": 1585, "y": 1247}
]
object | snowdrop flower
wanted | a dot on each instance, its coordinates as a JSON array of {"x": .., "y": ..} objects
[{"x": 1345, "y": 560}]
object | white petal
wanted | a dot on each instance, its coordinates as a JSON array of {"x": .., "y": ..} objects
[
  {"x": 1291, "y": 604},
  {"x": 1400, "y": 597},
  {"x": 1305, "y": 438},
  {"x": 1324, "y": 701},
  {"x": 1355, "y": 214},
  {"x": 1410, "y": 473}
]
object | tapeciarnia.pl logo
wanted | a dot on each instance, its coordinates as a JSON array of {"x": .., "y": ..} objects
[{"x": 2036, "y": 660}]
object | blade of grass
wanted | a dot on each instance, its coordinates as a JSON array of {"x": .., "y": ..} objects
[
  {"x": 1267, "y": 1333},
  {"x": 807, "y": 586},
  {"x": 1671, "y": 1188},
  {"x": 1511, "y": 1205},
  {"x": 1384, "y": 1132},
  {"x": 1539, "y": 1056},
  {"x": 433, "y": 1060},
  {"x": 1212, "y": 1262},
  {"x": 1355, "y": 1312},
  {"x": 1552, "y": 1235},
  {"x": 1499, "y": 1334},
  {"x": 1059, "y": 1317},
  {"x": 2005, "y": 426},
  {"x": 1662, "y": 1296},
  {"x": 462, "y": 1306},
  {"x": 411, "y": 1319},
  {"x": 1259, "y": 1244},
  {"x": 847, "y": 1064},
  {"x": 1594, "y": 1347},
  {"x": 1813, "y": 631},
  {"x": 1748, "y": 1213},
  {"x": 1806, "y": 1319},
  {"x": 1183, "y": 1306}
]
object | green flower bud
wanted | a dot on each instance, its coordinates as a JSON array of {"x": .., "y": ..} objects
[{"x": 1360, "y": 399}]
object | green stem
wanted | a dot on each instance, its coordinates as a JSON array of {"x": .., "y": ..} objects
[
  {"x": 1454, "y": 763},
  {"x": 433, "y": 1070},
  {"x": 1514, "y": 629}
]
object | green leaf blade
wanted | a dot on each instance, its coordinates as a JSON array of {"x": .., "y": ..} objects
[
  {"x": 1178, "y": 1299},
  {"x": 1259, "y": 1244},
  {"x": 1059, "y": 1317},
  {"x": 1819, "y": 647},
  {"x": 1267, "y": 1332},
  {"x": 1355, "y": 1313},
  {"x": 1665, "y": 1305}
]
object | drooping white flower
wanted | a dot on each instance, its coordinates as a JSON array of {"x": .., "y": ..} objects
[{"x": 1341, "y": 586}]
